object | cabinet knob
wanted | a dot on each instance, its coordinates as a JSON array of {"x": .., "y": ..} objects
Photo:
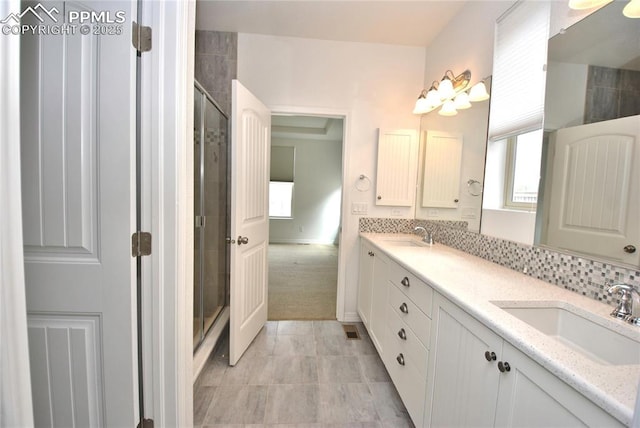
[
  {"x": 405, "y": 281},
  {"x": 404, "y": 308},
  {"x": 400, "y": 359},
  {"x": 402, "y": 334},
  {"x": 490, "y": 356},
  {"x": 504, "y": 367},
  {"x": 629, "y": 249},
  {"x": 371, "y": 253},
  {"x": 379, "y": 197}
]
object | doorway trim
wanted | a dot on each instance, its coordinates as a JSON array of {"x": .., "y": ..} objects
[{"x": 345, "y": 115}]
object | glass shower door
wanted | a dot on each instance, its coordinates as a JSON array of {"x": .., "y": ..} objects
[
  {"x": 197, "y": 179},
  {"x": 210, "y": 274},
  {"x": 214, "y": 245}
]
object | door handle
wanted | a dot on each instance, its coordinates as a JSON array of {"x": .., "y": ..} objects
[{"x": 243, "y": 240}]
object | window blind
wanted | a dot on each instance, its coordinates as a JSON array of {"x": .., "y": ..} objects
[
  {"x": 520, "y": 54},
  {"x": 282, "y": 163}
]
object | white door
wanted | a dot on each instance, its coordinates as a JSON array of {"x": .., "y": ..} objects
[
  {"x": 250, "y": 155},
  {"x": 595, "y": 198},
  {"x": 78, "y": 184}
]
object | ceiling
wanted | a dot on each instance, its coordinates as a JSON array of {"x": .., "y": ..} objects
[
  {"x": 318, "y": 128},
  {"x": 606, "y": 38},
  {"x": 411, "y": 23}
]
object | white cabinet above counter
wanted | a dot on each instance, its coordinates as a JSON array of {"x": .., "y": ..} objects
[{"x": 596, "y": 373}]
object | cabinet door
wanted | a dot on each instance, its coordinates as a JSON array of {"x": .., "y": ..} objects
[
  {"x": 462, "y": 384},
  {"x": 531, "y": 396},
  {"x": 377, "y": 319},
  {"x": 443, "y": 159},
  {"x": 397, "y": 167},
  {"x": 365, "y": 282}
]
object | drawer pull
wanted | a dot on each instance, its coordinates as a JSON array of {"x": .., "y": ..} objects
[
  {"x": 405, "y": 281},
  {"x": 490, "y": 356},
  {"x": 504, "y": 367},
  {"x": 400, "y": 359},
  {"x": 402, "y": 334},
  {"x": 404, "y": 308}
]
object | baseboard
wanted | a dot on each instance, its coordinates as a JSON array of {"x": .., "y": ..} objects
[
  {"x": 206, "y": 348},
  {"x": 350, "y": 317},
  {"x": 302, "y": 241}
]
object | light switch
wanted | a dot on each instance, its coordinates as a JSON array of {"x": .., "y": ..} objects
[
  {"x": 359, "y": 208},
  {"x": 468, "y": 213}
]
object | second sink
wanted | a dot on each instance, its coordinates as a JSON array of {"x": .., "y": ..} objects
[{"x": 590, "y": 338}]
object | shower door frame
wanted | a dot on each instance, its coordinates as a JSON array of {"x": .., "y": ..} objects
[{"x": 201, "y": 231}]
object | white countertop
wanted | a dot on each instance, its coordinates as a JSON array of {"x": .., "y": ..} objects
[{"x": 473, "y": 283}]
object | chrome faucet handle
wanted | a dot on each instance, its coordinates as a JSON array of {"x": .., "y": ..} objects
[
  {"x": 427, "y": 236},
  {"x": 625, "y": 307}
]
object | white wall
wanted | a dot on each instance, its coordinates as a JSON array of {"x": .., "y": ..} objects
[
  {"x": 316, "y": 194},
  {"x": 567, "y": 90},
  {"x": 374, "y": 85},
  {"x": 466, "y": 43}
]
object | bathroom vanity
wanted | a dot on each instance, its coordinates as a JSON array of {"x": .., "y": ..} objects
[{"x": 470, "y": 343}]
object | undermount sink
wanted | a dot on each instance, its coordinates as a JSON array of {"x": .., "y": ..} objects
[
  {"x": 563, "y": 323},
  {"x": 405, "y": 242}
]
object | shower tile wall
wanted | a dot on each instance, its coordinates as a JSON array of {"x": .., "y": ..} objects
[
  {"x": 578, "y": 274},
  {"x": 216, "y": 64},
  {"x": 611, "y": 93}
]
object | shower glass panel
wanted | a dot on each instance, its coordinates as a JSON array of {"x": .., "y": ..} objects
[
  {"x": 210, "y": 199},
  {"x": 197, "y": 174}
]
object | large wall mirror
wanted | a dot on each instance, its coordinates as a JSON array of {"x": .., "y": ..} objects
[{"x": 589, "y": 196}]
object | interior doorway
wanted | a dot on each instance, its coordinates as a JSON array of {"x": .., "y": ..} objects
[{"x": 305, "y": 216}]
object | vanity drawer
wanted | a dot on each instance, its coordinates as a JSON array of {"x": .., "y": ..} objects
[
  {"x": 409, "y": 313},
  {"x": 411, "y": 347},
  {"x": 410, "y": 384},
  {"x": 414, "y": 288}
]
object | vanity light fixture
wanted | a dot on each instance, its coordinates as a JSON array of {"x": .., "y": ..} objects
[
  {"x": 632, "y": 9},
  {"x": 478, "y": 92},
  {"x": 451, "y": 93}
]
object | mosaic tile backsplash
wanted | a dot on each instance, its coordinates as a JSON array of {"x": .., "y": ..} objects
[{"x": 578, "y": 274}]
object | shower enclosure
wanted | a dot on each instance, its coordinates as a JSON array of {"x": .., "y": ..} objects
[{"x": 211, "y": 269}]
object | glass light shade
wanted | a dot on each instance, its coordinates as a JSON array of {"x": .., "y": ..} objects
[
  {"x": 586, "y": 4},
  {"x": 478, "y": 92},
  {"x": 445, "y": 89},
  {"x": 632, "y": 9},
  {"x": 433, "y": 98},
  {"x": 422, "y": 106},
  {"x": 448, "y": 109},
  {"x": 461, "y": 101}
]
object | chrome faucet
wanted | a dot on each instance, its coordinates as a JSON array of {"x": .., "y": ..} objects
[
  {"x": 427, "y": 237},
  {"x": 624, "y": 310}
]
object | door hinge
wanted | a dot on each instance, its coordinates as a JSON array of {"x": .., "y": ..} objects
[
  {"x": 145, "y": 423},
  {"x": 140, "y": 244},
  {"x": 141, "y": 37}
]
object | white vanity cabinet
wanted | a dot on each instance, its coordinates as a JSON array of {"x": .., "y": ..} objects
[
  {"x": 407, "y": 340},
  {"x": 475, "y": 378},
  {"x": 372, "y": 293}
]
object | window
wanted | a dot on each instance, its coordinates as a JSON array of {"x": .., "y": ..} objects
[
  {"x": 280, "y": 199},
  {"x": 281, "y": 182},
  {"x": 522, "y": 170}
]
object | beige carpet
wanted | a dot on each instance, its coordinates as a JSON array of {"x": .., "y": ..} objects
[{"x": 302, "y": 282}]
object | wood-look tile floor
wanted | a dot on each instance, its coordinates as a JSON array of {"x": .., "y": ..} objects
[{"x": 299, "y": 374}]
